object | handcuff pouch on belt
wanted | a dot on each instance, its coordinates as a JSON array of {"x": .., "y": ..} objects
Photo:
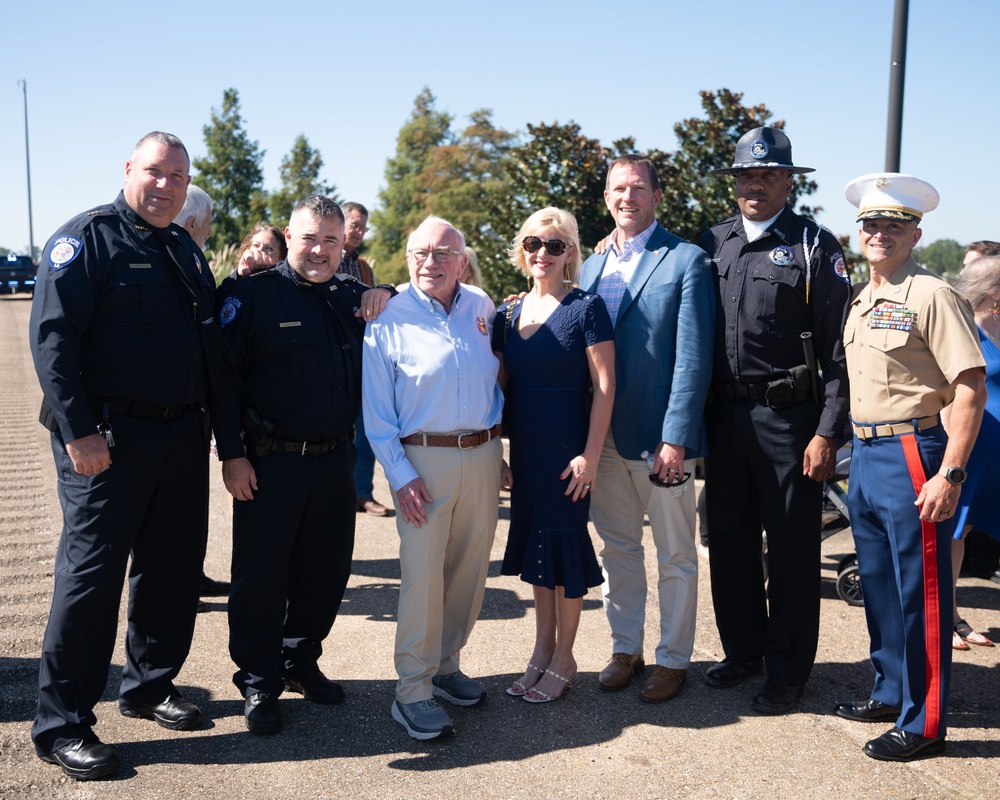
[
  {"x": 258, "y": 434},
  {"x": 790, "y": 390}
]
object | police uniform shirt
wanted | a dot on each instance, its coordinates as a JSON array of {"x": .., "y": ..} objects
[
  {"x": 763, "y": 308},
  {"x": 906, "y": 343},
  {"x": 298, "y": 348},
  {"x": 111, "y": 318}
]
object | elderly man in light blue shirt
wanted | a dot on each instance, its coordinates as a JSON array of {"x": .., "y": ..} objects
[{"x": 432, "y": 409}]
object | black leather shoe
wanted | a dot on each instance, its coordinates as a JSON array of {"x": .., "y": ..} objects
[
  {"x": 316, "y": 687},
  {"x": 85, "y": 761},
  {"x": 175, "y": 713},
  {"x": 213, "y": 588},
  {"x": 729, "y": 672},
  {"x": 867, "y": 711},
  {"x": 262, "y": 714},
  {"x": 900, "y": 745},
  {"x": 776, "y": 698}
]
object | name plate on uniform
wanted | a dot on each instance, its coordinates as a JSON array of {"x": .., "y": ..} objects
[
  {"x": 289, "y": 324},
  {"x": 140, "y": 266}
]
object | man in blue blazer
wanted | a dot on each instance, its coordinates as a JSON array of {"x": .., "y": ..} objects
[{"x": 659, "y": 292}]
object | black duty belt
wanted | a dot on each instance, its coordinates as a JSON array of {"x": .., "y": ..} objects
[
  {"x": 740, "y": 391},
  {"x": 119, "y": 406},
  {"x": 309, "y": 448},
  {"x": 463, "y": 441}
]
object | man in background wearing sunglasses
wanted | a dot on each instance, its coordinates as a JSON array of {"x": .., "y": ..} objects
[
  {"x": 658, "y": 290},
  {"x": 773, "y": 423}
]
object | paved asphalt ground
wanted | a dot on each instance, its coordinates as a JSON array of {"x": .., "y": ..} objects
[{"x": 589, "y": 744}]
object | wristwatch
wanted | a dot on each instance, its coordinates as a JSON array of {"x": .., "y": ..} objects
[{"x": 954, "y": 475}]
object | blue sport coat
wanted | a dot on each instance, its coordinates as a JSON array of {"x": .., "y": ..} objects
[{"x": 664, "y": 337}]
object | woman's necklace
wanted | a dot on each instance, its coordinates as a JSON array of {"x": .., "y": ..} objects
[{"x": 537, "y": 309}]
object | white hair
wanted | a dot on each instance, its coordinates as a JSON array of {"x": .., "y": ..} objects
[{"x": 198, "y": 205}]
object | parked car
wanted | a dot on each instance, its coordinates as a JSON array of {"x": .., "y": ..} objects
[{"x": 17, "y": 274}]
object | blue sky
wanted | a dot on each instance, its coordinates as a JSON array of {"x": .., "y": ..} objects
[{"x": 345, "y": 75}]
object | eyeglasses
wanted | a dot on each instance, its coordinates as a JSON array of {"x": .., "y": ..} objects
[
  {"x": 554, "y": 247},
  {"x": 356, "y": 227},
  {"x": 442, "y": 256}
]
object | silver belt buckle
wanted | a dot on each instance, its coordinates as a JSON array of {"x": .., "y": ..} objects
[
  {"x": 460, "y": 447},
  {"x": 304, "y": 446}
]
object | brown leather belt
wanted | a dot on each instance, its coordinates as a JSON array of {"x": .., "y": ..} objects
[
  {"x": 879, "y": 429},
  {"x": 463, "y": 441}
]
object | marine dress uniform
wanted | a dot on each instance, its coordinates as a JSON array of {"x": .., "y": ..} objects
[
  {"x": 906, "y": 343},
  {"x": 764, "y": 408},
  {"x": 298, "y": 348},
  {"x": 117, "y": 332}
]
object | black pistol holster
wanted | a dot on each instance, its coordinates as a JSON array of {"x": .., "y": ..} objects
[{"x": 258, "y": 434}]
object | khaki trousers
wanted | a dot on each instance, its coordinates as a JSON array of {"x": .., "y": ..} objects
[{"x": 443, "y": 563}]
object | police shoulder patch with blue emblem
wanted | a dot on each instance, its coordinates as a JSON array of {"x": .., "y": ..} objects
[
  {"x": 781, "y": 256},
  {"x": 840, "y": 267},
  {"x": 230, "y": 308},
  {"x": 64, "y": 250}
]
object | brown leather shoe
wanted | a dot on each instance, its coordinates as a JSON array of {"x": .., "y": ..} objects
[
  {"x": 663, "y": 684},
  {"x": 370, "y": 505},
  {"x": 617, "y": 675}
]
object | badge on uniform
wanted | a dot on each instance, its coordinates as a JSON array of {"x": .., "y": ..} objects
[
  {"x": 230, "y": 308},
  {"x": 839, "y": 267},
  {"x": 64, "y": 250},
  {"x": 759, "y": 149},
  {"x": 781, "y": 256},
  {"x": 894, "y": 316},
  {"x": 481, "y": 324}
]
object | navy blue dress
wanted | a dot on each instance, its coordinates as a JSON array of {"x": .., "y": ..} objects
[{"x": 549, "y": 417}]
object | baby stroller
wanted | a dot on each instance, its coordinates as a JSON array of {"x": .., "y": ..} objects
[{"x": 837, "y": 517}]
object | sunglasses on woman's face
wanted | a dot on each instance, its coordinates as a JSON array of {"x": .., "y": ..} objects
[{"x": 554, "y": 247}]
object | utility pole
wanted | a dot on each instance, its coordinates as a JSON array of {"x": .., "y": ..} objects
[
  {"x": 897, "y": 72},
  {"x": 27, "y": 160}
]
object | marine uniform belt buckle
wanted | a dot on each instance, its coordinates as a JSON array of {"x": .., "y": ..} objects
[{"x": 305, "y": 446}]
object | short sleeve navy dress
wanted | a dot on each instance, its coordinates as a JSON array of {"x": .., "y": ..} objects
[
  {"x": 977, "y": 504},
  {"x": 548, "y": 420}
]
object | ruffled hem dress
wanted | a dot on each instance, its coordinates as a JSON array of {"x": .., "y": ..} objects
[{"x": 549, "y": 398}]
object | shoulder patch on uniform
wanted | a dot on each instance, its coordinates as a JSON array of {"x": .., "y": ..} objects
[
  {"x": 839, "y": 267},
  {"x": 230, "y": 308},
  {"x": 63, "y": 251}
]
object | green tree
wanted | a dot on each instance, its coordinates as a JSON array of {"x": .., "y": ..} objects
[
  {"x": 230, "y": 172},
  {"x": 943, "y": 257},
  {"x": 554, "y": 165},
  {"x": 300, "y": 178},
  {"x": 404, "y": 202},
  {"x": 463, "y": 176}
]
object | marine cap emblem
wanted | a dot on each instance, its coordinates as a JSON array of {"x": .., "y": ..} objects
[{"x": 881, "y": 183}]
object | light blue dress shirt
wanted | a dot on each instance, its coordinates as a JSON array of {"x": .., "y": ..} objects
[{"x": 427, "y": 371}]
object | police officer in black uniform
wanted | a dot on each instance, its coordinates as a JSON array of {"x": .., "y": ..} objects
[
  {"x": 122, "y": 338},
  {"x": 774, "y": 423},
  {"x": 297, "y": 332}
]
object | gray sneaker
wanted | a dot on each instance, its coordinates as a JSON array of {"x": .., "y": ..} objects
[
  {"x": 424, "y": 719},
  {"x": 459, "y": 688}
]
